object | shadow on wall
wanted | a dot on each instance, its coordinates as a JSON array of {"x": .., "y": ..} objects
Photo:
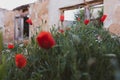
[{"x": 114, "y": 28}]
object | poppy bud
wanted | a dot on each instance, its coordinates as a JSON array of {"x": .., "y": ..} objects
[
  {"x": 86, "y": 21},
  {"x": 103, "y": 18},
  {"x": 61, "y": 18}
]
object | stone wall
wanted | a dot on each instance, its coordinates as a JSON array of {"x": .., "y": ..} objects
[
  {"x": 2, "y": 12},
  {"x": 45, "y": 14},
  {"x": 6, "y": 24},
  {"x": 2, "y": 19},
  {"x": 9, "y": 27},
  {"x": 38, "y": 13}
]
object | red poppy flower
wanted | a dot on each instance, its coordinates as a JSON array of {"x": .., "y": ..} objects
[
  {"x": 10, "y": 46},
  {"x": 29, "y": 21},
  {"x": 86, "y": 21},
  {"x": 45, "y": 40},
  {"x": 20, "y": 61},
  {"x": 61, "y": 18},
  {"x": 61, "y": 31},
  {"x": 103, "y": 18},
  {"x": 78, "y": 19}
]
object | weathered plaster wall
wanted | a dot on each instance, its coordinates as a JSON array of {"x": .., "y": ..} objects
[
  {"x": 112, "y": 9},
  {"x": 38, "y": 13},
  {"x": 2, "y": 19},
  {"x": 9, "y": 27},
  {"x": 46, "y": 13},
  {"x": 6, "y": 22},
  {"x": 55, "y": 5},
  {"x": 54, "y": 12},
  {"x": 2, "y": 12}
]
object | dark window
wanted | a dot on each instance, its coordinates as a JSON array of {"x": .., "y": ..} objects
[{"x": 26, "y": 28}]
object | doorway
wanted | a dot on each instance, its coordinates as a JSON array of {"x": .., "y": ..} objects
[{"x": 21, "y": 27}]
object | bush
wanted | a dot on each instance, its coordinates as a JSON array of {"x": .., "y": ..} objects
[{"x": 82, "y": 53}]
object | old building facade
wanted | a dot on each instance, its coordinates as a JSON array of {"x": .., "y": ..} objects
[{"x": 45, "y": 14}]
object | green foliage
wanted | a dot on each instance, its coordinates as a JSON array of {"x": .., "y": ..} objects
[
  {"x": 1, "y": 41},
  {"x": 80, "y": 14},
  {"x": 82, "y": 53},
  {"x": 94, "y": 21},
  {"x": 1, "y": 66}
]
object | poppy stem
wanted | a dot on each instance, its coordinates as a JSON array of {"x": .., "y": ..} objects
[{"x": 62, "y": 25}]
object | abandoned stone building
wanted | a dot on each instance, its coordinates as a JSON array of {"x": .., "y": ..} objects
[{"x": 45, "y": 14}]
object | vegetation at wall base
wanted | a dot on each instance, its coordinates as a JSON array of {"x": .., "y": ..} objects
[{"x": 82, "y": 53}]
